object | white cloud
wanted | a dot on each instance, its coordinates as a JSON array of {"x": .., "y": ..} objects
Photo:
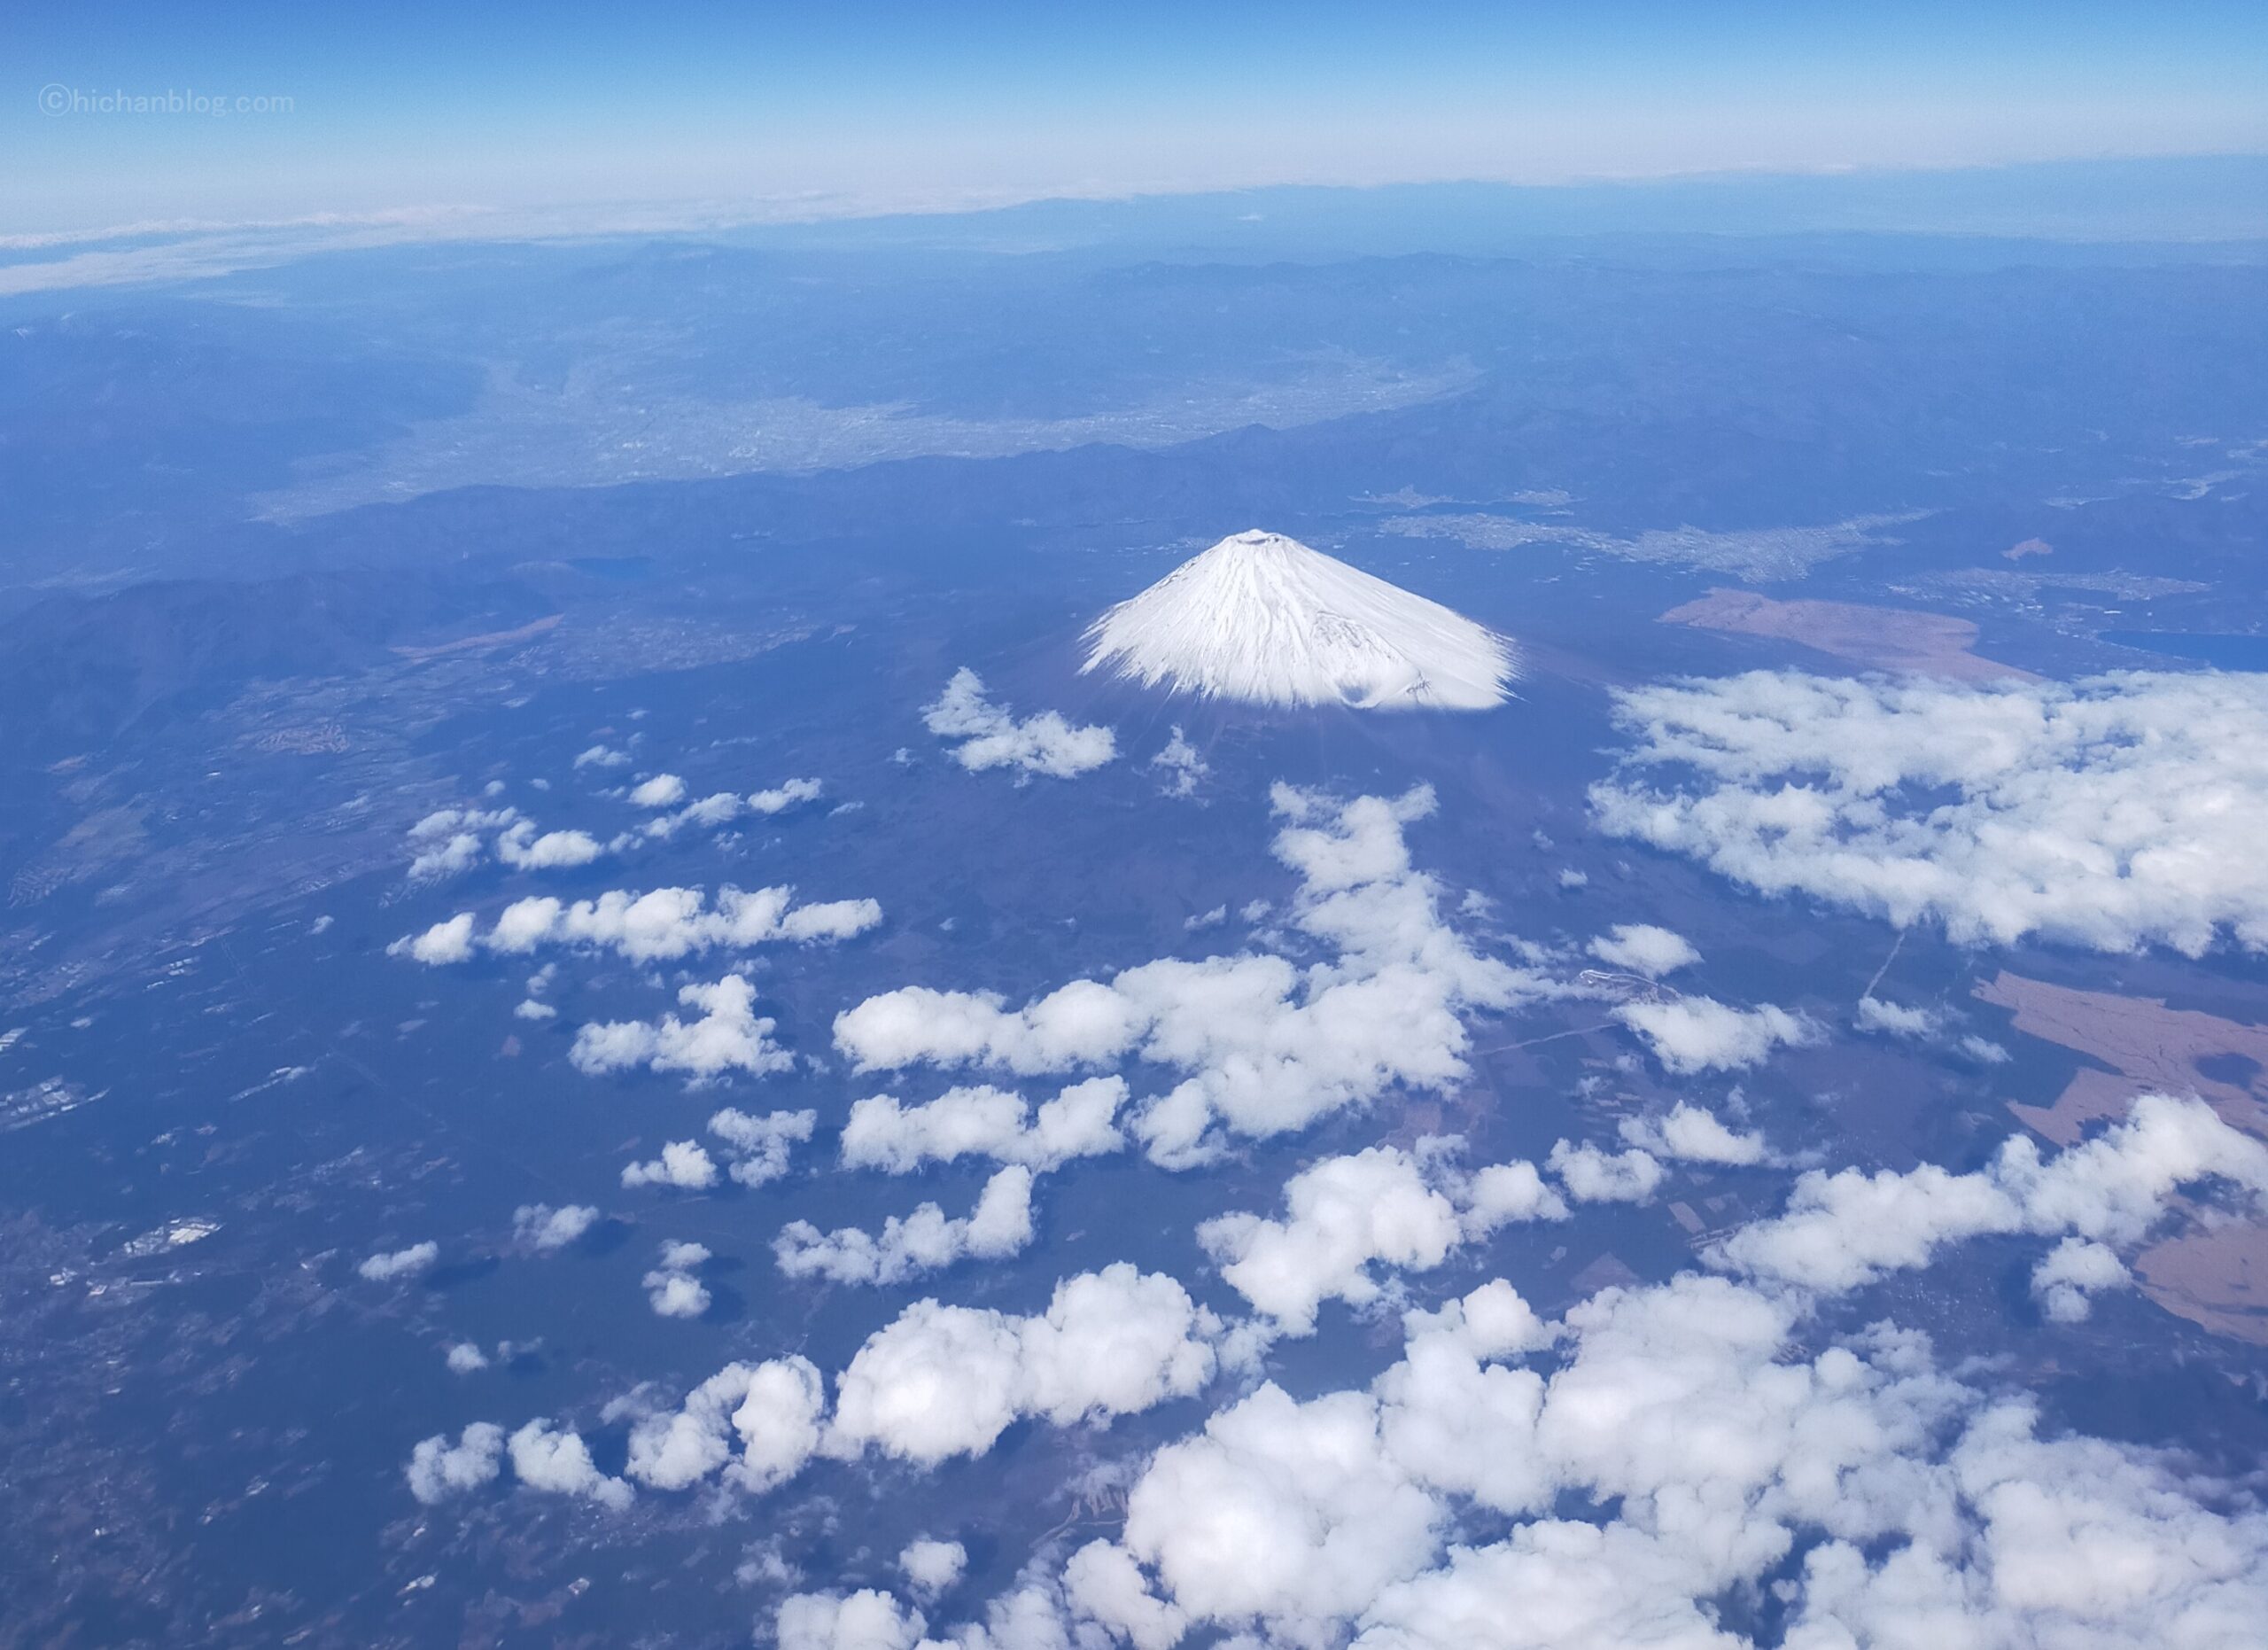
[
  {"x": 724, "y": 806},
  {"x": 990, "y": 735},
  {"x": 780, "y": 799},
  {"x": 924, "y": 1241},
  {"x": 760, "y": 1145},
  {"x": 1893, "y": 1019},
  {"x": 1181, "y": 769},
  {"x": 663, "y": 791},
  {"x": 683, "y": 1163},
  {"x": 521, "y": 849},
  {"x": 1692, "y": 1034},
  {"x": 443, "y": 943},
  {"x": 1595, "y": 1176},
  {"x": 729, "y": 1036},
  {"x": 1692, "y": 1134},
  {"x": 447, "y": 857},
  {"x": 932, "y": 1567},
  {"x": 1715, "y": 1448},
  {"x": 602, "y": 756},
  {"x": 1844, "y": 1230},
  {"x": 1343, "y": 1213},
  {"x": 660, "y": 925},
  {"x": 401, "y": 1263},
  {"x": 2073, "y": 1272},
  {"x": 558, "y": 1462},
  {"x": 946, "y": 1380},
  {"x": 1383, "y": 1207},
  {"x": 2112, "y": 812},
  {"x": 439, "y": 1469},
  {"x": 866, "y": 1620},
  {"x": 543, "y": 1227},
  {"x": 465, "y": 1359},
  {"x": 1503, "y": 1193},
  {"x": 1260, "y": 1046},
  {"x": 671, "y": 1290},
  {"x": 449, "y": 841},
  {"x": 1642, "y": 948},
  {"x": 985, "y": 1122}
]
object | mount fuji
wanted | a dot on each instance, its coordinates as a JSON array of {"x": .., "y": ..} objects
[{"x": 1262, "y": 618}]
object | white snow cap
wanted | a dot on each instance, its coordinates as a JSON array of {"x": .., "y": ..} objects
[{"x": 1263, "y": 619}]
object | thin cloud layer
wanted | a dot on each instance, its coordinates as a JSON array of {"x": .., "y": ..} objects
[{"x": 2115, "y": 813}]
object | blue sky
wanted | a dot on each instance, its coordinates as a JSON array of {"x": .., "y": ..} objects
[{"x": 521, "y": 105}]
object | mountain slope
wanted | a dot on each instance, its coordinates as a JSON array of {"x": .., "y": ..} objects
[{"x": 1262, "y": 618}]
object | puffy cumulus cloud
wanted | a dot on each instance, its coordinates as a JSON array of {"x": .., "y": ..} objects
[
  {"x": 931, "y": 1567},
  {"x": 1262, "y": 1046},
  {"x": 2113, "y": 813},
  {"x": 865, "y": 1620},
  {"x": 448, "y": 840},
  {"x": 1385, "y": 1207},
  {"x": 445, "y": 942},
  {"x": 1689, "y": 1133},
  {"x": 985, "y": 1122},
  {"x": 660, "y": 925},
  {"x": 987, "y": 735},
  {"x": 672, "y": 1288},
  {"x": 521, "y": 848},
  {"x": 558, "y": 1462},
  {"x": 439, "y": 1469},
  {"x": 663, "y": 791},
  {"x": 451, "y": 840},
  {"x": 779, "y": 798},
  {"x": 541, "y": 1227},
  {"x": 1844, "y": 1230},
  {"x": 400, "y": 1262},
  {"x": 465, "y": 1359},
  {"x": 450, "y": 855},
  {"x": 683, "y": 1163},
  {"x": 761, "y": 1145},
  {"x": 2073, "y": 1273},
  {"x": 1894, "y": 1019},
  {"x": 678, "y": 1449},
  {"x": 725, "y": 806},
  {"x": 1179, "y": 767},
  {"x": 729, "y": 1036},
  {"x": 1643, "y": 948},
  {"x": 602, "y": 756},
  {"x": 1595, "y": 1176},
  {"x": 1883, "y": 1502},
  {"x": 945, "y": 1380},
  {"x": 1693, "y": 1034},
  {"x": 752, "y": 1426},
  {"x": 924, "y": 1241},
  {"x": 1503, "y": 1193}
]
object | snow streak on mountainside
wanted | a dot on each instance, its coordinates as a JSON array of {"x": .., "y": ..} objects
[{"x": 1263, "y": 619}]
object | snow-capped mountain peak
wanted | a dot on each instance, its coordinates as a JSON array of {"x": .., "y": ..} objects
[{"x": 1263, "y": 619}]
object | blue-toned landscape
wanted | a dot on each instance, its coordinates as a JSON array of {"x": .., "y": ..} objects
[{"x": 615, "y": 1029}]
